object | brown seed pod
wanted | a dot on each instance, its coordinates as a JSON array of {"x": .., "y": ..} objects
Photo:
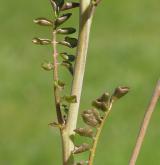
[
  {"x": 100, "y": 105},
  {"x": 120, "y": 92},
  {"x": 82, "y": 148},
  {"x": 87, "y": 132}
]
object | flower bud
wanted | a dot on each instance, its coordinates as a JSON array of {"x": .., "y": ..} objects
[
  {"x": 43, "y": 22},
  {"x": 82, "y": 148}
]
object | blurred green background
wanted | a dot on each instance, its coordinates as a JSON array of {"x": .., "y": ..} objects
[{"x": 124, "y": 50}]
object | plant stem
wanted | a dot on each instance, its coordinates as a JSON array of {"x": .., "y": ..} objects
[
  {"x": 145, "y": 124},
  {"x": 96, "y": 139},
  {"x": 55, "y": 77},
  {"x": 86, "y": 14}
]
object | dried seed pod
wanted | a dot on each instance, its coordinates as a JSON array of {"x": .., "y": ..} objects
[
  {"x": 70, "y": 5},
  {"x": 82, "y": 148},
  {"x": 97, "y": 115},
  {"x": 60, "y": 20},
  {"x": 87, "y": 132},
  {"x": 100, "y": 105},
  {"x": 40, "y": 41},
  {"x": 69, "y": 42},
  {"x": 90, "y": 119},
  {"x": 47, "y": 66},
  {"x": 66, "y": 30},
  {"x": 104, "y": 98},
  {"x": 43, "y": 22},
  {"x": 120, "y": 92}
]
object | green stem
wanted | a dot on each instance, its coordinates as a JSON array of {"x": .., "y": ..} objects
[{"x": 96, "y": 139}]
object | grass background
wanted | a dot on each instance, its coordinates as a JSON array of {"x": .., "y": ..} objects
[{"x": 124, "y": 50}]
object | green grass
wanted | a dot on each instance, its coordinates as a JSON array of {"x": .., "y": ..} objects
[{"x": 124, "y": 50}]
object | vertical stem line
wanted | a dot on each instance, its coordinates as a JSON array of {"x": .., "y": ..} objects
[
  {"x": 145, "y": 124},
  {"x": 55, "y": 77}
]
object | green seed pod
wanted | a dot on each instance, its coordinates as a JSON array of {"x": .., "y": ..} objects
[
  {"x": 69, "y": 42},
  {"x": 66, "y": 31},
  {"x": 120, "y": 92},
  {"x": 59, "y": 84},
  {"x": 70, "y": 5},
  {"x": 67, "y": 57},
  {"x": 82, "y": 148},
  {"x": 70, "y": 99},
  {"x": 47, "y": 66},
  {"x": 100, "y": 105},
  {"x": 60, "y": 20},
  {"x": 40, "y": 41},
  {"x": 43, "y": 22},
  {"x": 87, "y": 132}
]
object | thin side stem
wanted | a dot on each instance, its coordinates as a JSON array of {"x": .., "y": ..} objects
[
  {"x": 86, "y": 14},
  {"x": 145, "y": 124},
  {"x": 55, "y": 77},
  {"x": 96, "y": 139}
]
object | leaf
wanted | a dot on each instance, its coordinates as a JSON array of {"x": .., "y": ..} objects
[
  {"x": 43, "y": 22},
  {"x": 40, "y": 41},
  {"x": 69, "y": 42},
  {"x": 70, "y": 99},
  {"x": 47, "y": 66},
  {"x": 63, "y": 18},
  {"x": 66, "y": 30}
]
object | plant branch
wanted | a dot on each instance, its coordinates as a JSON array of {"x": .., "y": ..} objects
[
  {"x": 55, "y": 77},
  {"x": 145, "y": 124},
  {"x": 86, "y": 14},
  {"x": 96, "y": 138}
]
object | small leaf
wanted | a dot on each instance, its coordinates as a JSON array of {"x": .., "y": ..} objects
[
  {"x": 67, "y": 57},
  {"x": 60, "y": 20},
  {"x": 43, "y": 22},
  {"x": 120, "y": 92},
  {"x": 40, "y": 41},
  {"x": 82, "y": 148},
  {"x": 87, "y": 132},
  {"x": 69, "y": 42},
  {"x": 70, "y": 5},
  {"x": 66, "y": 30},
  {"x": 70, "y": 99},
  {"x": 47, "y": 66}
]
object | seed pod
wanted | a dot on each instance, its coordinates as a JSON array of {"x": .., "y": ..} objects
[
  {"x": 47, "y": 66},
  {"x": 82, "y": 148},
  {"x": 69, "y": 5},
  {"x": 104, "y": 98},
  {"x": 97, "y": 115},
  {"x": 70, "y": 99},
  {"x": 59, "y": 84},
  {"x": 66, "y": 30},
  {"x": 69, "y": 42},
  {"x": 43, "y": 22},
  {"x": 87, "y": 132},
  {"x": 68, "y": 65},
  {"x": 60, "y": 20},
  {"x": 67, "y": 57},
  {"x": 90, "y": 119},
  {"x": 100, "y": 105},
  {"x": 40, "y": 41},
  {"x": 56, "y": 5},
  {"x": 120, "y": 92}
]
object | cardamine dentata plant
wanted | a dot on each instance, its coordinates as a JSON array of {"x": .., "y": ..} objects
[{"x": 67, "y": 106}]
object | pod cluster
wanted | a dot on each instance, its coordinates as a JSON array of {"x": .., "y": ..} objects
[
  {"x": 94, "y": 116},
  {"x": 60, "y": 16}
]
